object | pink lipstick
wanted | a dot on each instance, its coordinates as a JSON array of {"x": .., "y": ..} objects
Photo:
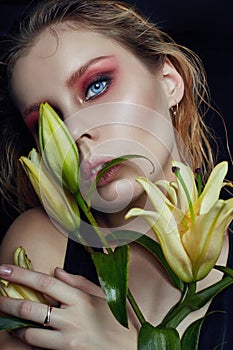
[{"x": 91, "y": 167}]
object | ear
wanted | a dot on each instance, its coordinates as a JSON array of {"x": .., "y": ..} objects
[{"x": 173, "y": 83}]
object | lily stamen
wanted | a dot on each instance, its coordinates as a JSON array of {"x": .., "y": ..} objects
[
  {"x": 176, "y": 171},
  {"x": 199, "y": 181}
]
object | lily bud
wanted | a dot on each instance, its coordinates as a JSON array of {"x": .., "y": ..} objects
[
  {"x": 58, "y": 202},
  {"x": 16, "y": 291},
  {"x": 189, "y": 227},
  {"x": 58, "y": 149},
  {"x": 21, "y": 259}
]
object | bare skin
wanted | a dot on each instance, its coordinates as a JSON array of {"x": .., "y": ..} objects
[
  {"x": 78, "y": 295},
  {"x": 75, "y": 324}
]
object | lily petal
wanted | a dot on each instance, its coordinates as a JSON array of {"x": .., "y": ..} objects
[
  {"x": 161, "y": 203},
  {"x": 190, "y": 229},
  {"x": 213, "y": 187},
  {"x": 170, "y": 190},
  {"x": 21, "y": 259},
  {"x": 59, "y": 203},
  {"x": 205, "y": 238},
  {"x": 157, "y": 197},
  {"x": 169, "y": 240},
  {"x": 16, "y": 291},
  {"x": 189, "y": 180}
]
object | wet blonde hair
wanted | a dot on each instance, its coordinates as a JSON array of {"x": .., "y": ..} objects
[{"x": 119, "y": 21}]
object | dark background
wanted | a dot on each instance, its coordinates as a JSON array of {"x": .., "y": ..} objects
[{"x": 206, "y": 27}]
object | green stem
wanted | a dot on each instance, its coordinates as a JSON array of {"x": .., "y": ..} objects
[
  {"x": 199, "y": 181},
  {"x": 181, "y": 309},
  {"x": 80, "y": 238},
  {"x": 92, "y": 221},
  {"x": 136, "y": 308}
]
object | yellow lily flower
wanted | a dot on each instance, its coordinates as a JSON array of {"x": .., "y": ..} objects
[
  {"x": 58, "y": 202},
  {"x": 58, "y": 149},
  {"x": 190, "y": 228},
  {"x": 13, "y": 290}
]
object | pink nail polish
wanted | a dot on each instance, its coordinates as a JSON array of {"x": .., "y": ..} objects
[{"x": 5, "y": 270}]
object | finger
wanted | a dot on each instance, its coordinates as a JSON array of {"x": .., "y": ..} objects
[
  {"x": 44, "y": 283},
  {"x": 79, "y": 282},
  {"x": 41, "y": 338},
  {"x": 31, "y": 311}
]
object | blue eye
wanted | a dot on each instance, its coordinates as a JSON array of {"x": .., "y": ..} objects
[{"x": 96, "y": 88}]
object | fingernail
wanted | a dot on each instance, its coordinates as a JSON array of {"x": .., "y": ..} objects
[{"x": 5, "y": 270}]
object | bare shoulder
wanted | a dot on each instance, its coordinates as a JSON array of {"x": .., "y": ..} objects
[{"x": 44, "y": 244}]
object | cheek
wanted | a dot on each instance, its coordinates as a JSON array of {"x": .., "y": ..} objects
[
  {"x": 146, "y": 92},
  {"x": 121, "y": 125},
  {"x": 154, "y": 142}
]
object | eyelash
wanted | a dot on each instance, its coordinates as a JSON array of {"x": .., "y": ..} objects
[
  {"x": 102, "y": 79},
  {"x": 32, "y": 122}
]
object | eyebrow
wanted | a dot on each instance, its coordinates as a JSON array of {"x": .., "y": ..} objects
[
  {"x": 77, "y": 74},
  {"x": 74, "y": 77}
]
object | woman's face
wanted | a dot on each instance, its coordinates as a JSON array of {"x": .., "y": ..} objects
[{"x": 112, "y": 104}]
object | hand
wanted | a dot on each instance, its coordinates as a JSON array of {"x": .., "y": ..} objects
[{"x": 83, "y": 321}]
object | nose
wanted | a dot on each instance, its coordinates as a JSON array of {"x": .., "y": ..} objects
[
  {"x": 86, "y": 142},
  {"x": 84, "y": 125},
  {"x": 89, "y": 136},
  {"x": 81, "y": 130}
]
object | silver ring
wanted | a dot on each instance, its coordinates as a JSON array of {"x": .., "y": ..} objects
[{"x": 47, "y": 318}]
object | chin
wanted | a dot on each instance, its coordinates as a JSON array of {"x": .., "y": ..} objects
[{"x": 116, "y": 196}]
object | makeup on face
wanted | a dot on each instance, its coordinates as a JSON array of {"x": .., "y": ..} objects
[
  {"x": 83, "y": 74},
  {"x": 90, "y": 82}
]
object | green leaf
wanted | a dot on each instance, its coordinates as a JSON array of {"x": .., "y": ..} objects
[
  {"x": 112, "y": 270},
  {"x": 196, "y": 302},
  {"x": 153, "y": 247},
  {"x": 152, "y": 338},
  {"x": 205, "y": 295},
  {"x": 107, "y": 167},
  {"x": 9, "y": 323},
  {"x": 191, "y": 335},
  {"x": 227, "y": 270}
]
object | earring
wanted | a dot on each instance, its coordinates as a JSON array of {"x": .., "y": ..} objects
[{"x": 175, "y": 109}]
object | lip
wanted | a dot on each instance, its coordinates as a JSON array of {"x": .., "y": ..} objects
[{"x": 89, "y": 166}]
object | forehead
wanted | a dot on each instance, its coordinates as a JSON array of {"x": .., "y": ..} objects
[
  {"x": 56, "y": 53},
  {"x": 62, "y": 37}
]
